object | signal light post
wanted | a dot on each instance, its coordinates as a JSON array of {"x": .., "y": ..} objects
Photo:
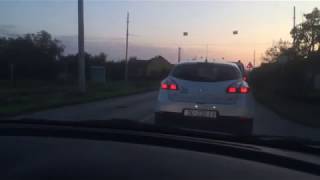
[{"x": 81, "y": 57}]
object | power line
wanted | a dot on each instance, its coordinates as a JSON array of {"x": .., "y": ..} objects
[{"x": 204, "y": 44}]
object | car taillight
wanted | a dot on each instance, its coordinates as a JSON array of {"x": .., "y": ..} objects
[
  {"x": 173, "y": 87},
  {"x": 244, "y": 90},
  {"x": 240, "y": 90},
  {"x": 164, "y": 86},
  {"x": 232, "y": 90},
  {"x": 169, "y": 86}
]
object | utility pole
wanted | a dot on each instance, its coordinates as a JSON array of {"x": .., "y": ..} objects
[
  {"x": 294, "y": 16},
  {"x": 254, "y": 58},
  {"x": 12, "y": 77},
  {"x": 126, "y": 58},
  {"x": 294, "y": 26},
  {"x": 206, "y": 52},
  {"x": 81, "y": 60},
  {"x": 179, "y": 54}
]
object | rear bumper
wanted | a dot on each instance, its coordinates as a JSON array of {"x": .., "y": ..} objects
[{"x": 243, "y": 108}]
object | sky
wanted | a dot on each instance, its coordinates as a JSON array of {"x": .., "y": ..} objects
[{"x": 156, "y": 27}]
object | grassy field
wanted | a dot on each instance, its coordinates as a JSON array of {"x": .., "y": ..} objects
[
  {"x": 31, "y": 96},
  {"x": 300, "y": 111}
]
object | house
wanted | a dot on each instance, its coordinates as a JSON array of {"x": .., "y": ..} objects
[
  {"x": 158, "y": 67},
  {"x": 155, "y": 68}
]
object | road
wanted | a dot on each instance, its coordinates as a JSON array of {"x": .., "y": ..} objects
[{"x": 140, "y": 108}]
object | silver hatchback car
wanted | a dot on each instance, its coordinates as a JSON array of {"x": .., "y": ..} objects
[{"x": 213, "y": 93}]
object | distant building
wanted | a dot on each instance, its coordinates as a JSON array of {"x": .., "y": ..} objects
[
  {"x": 137, "y": 68},
  {"x": 154, "y": 68},
  {"x": 157, "y": 67}
]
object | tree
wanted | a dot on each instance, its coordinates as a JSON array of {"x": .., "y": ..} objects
[
  {"x": 279, "y": 48},
  {"x": 99, "y": 59},
  {"x": 307, "y": 34},
  {"x": 34, "y": 56}
]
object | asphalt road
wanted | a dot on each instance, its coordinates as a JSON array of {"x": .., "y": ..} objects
[{"x": 140, "y": 108}]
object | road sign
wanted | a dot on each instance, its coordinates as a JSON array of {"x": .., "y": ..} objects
[{"x": 249, "y": 66}]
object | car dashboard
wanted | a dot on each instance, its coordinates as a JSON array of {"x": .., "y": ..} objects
[{"x": 31, "y": 157}]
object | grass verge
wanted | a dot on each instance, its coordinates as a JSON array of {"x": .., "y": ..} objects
[{"x": 22, "y": 99}]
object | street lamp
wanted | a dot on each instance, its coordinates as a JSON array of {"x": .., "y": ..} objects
[{"x": 179, "y": 48}]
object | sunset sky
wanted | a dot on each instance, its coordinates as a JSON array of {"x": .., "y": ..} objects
[{"x": 156, "y": 27}]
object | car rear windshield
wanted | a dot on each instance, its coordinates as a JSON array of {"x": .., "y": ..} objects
[
  {"x": 241, "y": 67},
  {"x": 206, "y": 72}
]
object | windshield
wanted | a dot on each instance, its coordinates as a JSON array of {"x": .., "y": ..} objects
[{"x": 170, "y": 64}]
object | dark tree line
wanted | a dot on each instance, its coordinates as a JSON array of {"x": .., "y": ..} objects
[
  {"x": 40, "y": 57},
  {"x": 306, "y": 41},
  {"x": 306, "y": 35},
  {"x": 290, "y": 69},
  {"x": 32, "y": 56}
]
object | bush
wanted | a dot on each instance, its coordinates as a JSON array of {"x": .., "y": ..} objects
[{"x": 293, "y": 79}]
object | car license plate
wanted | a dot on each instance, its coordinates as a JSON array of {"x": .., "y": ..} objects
[{"x": 199, "y": 113}]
